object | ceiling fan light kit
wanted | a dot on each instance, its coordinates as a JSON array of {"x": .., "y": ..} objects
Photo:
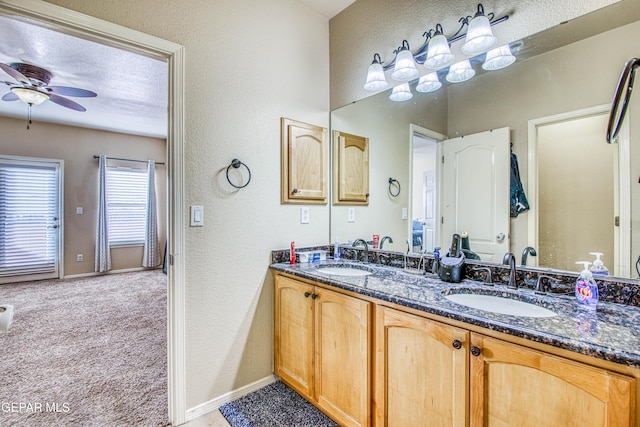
[{"x": 33, "y": 88}]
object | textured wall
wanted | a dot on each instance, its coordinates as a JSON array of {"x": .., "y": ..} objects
[
  {"x": 76, "y": 147},
  {"x": 379, "y": 26},
  {"x": 248, "y": 62}
]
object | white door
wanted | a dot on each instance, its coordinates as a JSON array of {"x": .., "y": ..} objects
[
  {"x": 30, "y": 219},
  {"x": 475, "y": 195}
]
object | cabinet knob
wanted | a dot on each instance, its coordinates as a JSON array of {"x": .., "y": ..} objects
[
  {"x": 306, "y": 294},
  {"x": 314, "y": 296},
  {"x": 475, "y": 351},
  {"x": 457, "y": 344},
  {"x": 295, "y": 190}
]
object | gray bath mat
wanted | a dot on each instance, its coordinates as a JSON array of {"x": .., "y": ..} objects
[{"x": 274, "y": 405}]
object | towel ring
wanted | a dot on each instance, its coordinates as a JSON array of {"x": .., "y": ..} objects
[
  {"x": 393, "y": 182},
  {"x": 235, "y": 163}
]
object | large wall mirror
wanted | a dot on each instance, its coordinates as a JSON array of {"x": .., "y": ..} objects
[{"x": 550, "y": 110}]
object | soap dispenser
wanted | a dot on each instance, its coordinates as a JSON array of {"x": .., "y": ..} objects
[
  {"x": 336, "y": 250},
  {"x": 586, "y": 288},
  {"x": 598, "y": 266}
]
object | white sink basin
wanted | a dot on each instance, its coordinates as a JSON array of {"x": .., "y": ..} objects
[
  {"x": 496, "y": 304},
  {"x": 343, "y": 271}
]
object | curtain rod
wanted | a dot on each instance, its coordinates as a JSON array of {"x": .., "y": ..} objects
[{"x": 127, "y": 160}]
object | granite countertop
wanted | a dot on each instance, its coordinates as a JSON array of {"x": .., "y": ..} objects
[{"x": 612, "y": 333}]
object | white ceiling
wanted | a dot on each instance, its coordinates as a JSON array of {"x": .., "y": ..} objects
[{"x": 132, "y": 89}]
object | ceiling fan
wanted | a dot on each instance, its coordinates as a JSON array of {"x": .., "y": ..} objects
[{"x": 31, "y": 86}]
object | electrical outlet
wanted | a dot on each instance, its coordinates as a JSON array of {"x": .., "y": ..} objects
[
  {"x": 79, "y": 210},
  {"x": 79, "y": 257},
  {"x": 304, "y": 215},
  {"x": 351, "y": 215}
]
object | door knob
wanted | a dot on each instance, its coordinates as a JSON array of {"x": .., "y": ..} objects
[
  {"x": 500, "y": 237},
  {"x": 475, "y": 351}
]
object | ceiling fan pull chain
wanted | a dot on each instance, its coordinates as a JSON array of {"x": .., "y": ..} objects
[{"x": 29, "y": 117}]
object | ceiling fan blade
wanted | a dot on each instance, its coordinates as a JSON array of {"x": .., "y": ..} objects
[
  {"x": 71, "y": 91},
  {"x": 10, "y": 97},
  {"x": 15, "y": 74},
  {"x": 66, "y": 102}
]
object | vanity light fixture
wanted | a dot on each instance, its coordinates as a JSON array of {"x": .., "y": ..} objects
[
  {"x": 429, "y": 83},
  {"x": 479, "y": 37},
  {"x": 401, "y": 93},
  {"x": 405, "y": 67},
  {"x": 498, "y": 58},
  {"x": 375, "y": 76},
  {"x": 435, "y": 52},
  {"x": 460, "y": 72}
]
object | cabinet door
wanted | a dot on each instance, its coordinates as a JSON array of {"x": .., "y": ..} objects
[
  {"x": 304, "y": 163},
  {"x": 350, "y": 169},
  {"x": 342, "y": 346},
  {"x": 421, "y": 374},
  {"x": 513, "y": 385},
  {"x": 293, "y": 347}
]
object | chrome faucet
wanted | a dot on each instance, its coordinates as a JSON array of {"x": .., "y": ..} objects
[
  {"x": 528, "y": 250},
  {"x": 510, "y": 260},
  {"x": 384, "y": 239},
  {"x": 366, "y": 248}
]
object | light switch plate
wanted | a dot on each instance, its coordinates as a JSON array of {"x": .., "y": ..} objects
[
  {"x": 351, "y": 215},
  {"x": 197, "y": 216},
  {"x": 405, "y": 215},
  {"x": 304, "y": 215},
  {"x": 79, "y": 210}
]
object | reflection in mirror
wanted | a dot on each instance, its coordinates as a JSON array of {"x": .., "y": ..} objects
[{"x": 559, "y": 74}]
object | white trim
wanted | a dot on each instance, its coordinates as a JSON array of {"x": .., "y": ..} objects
[
  {"x": 106, "y": 273},
  {"x": 623, "y": 241},
  {"x": 438, "y": 137},
  {"x": 111, "y": 34},
  {"x": 216, "y": 403}
]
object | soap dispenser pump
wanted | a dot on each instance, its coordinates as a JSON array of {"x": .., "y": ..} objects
[
  {"x": 598, "y": 266},
  {"x": 586, "y": 288}
]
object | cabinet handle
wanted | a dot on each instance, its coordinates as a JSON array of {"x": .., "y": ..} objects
[
  {"x": 314, "y": 296},
  {"x": 306, "y": 294},
  {"x": 475, "y": 351},
  {"x": 457, "y": 344}
]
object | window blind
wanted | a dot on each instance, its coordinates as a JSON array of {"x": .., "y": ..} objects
[
  {"x": 28, "y": 219},
  {"x": 126, "y": 205}
]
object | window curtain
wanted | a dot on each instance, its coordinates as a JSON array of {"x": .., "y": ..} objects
[
  {"x": 103, "y": 253},
  {"x": 151, "y": 257}
]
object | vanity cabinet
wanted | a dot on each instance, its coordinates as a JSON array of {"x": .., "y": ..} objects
[
  {"x": 322, "y": 348},
  {"x": 432, "y": 374},
  {"x": 511, "y": 385}
]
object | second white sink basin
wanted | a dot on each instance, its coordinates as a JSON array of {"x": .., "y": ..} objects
[
  {"x": 343, "y": 271},
  {"x": 496, "y": 304}
]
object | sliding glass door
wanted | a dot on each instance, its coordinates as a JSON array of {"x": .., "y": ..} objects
[{"x": 30, "y": 218}]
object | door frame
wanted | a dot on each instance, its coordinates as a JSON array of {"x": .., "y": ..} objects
[
  {"x": 438, "y": 137},
  {"x": 104, "y": 32},
  {"x": 622, "y": 240}
]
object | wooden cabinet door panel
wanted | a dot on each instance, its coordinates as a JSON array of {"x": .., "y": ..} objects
[
  {"x": 421, "y": 378},
  {"x": 513, "y": 385},
  {"x": 342, "y": 345},
  {"x": 351, "y": 169},
  {"x": 294, "y": 334}
]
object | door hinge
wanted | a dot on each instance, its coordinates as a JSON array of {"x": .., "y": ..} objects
[
  {"x": 443, "y": 160},
  {"x": 170, "y": 259},
  {"x": 441, "y": 220},
  {"x": 617, "y": 221}
]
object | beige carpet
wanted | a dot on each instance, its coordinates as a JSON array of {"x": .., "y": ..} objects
[{"x": 86, "y": 352}]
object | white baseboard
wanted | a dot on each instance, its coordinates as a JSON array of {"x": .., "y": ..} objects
[
  {"x": 124, "y": 270},
  {"x": 214, "y": 404}
]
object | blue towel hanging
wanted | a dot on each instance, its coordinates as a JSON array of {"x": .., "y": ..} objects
[{"x": 519, "y": 201}]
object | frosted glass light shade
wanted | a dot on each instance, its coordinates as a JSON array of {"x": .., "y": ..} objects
[
  {"x": 460, "y": 72},
  {"x": 405, "y": 68},
  {"x": 429, "y": 83},
  {"x": 438, "y": 53},
  {"x": 401, "y": 93},
  {"x": 479, "y": 37},
  {"x": 30, "y": 96},
  {"x": 498, "y": 58},
  {"x": 376, "y": 79}
]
